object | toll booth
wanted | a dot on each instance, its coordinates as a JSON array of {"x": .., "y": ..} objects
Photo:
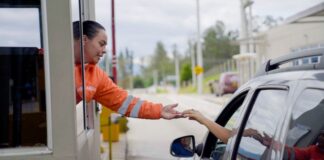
[{"x": 39, "y": 117}]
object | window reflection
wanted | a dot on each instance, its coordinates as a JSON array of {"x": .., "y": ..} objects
[
  {"x": 23, "y": 109},
  {"x": 22, "y": 78},
  {"x": 259, "y": 131},
  {"x": 307, "y": 118}
]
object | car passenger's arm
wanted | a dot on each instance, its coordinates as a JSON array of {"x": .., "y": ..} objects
[{"x": 220, "y": 132}]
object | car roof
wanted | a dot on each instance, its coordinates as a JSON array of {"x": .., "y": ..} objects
[{"x": 274, "y": 65}]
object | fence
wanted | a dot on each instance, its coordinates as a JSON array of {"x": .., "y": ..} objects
[
  {"x": 244, "y": 64},
  {"x": 227, "y": 66}
]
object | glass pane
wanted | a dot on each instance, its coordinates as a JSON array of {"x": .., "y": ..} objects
[
  {"x": 19, "y": 27},
  {"x": 88, "y": 109},
  {"x": 236, "y": 107},
  {"x": 237, "y": 102},
  {"x": 259, "y": 131},
  {"x": 22, "y": 90},
  {"x": 307, "y": 119},
  {"x": 233, "y": 120}
]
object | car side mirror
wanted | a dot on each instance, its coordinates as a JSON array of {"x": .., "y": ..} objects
[{"x": 183, "y": 146}]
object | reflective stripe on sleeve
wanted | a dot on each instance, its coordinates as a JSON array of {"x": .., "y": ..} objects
[
  {"x": 122, "y": 110},
  {"x": 136, "y": 109}
]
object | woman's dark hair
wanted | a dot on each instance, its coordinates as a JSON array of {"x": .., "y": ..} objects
[{"x": 90, "y": 29}]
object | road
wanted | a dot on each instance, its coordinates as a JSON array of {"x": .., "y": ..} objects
[{"x": 151, "y": 139}]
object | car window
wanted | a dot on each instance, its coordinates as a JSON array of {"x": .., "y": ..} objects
[
  {"x": 219, "y": 150},
  {"x": 258, "y": 134},
  {"x": 306, "y": 119},
  {"x": 228, "y": 119},
  {"x": 232, "y": 121}
]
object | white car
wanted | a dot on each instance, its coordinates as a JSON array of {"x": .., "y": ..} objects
[{"x": 283, "y": 105}]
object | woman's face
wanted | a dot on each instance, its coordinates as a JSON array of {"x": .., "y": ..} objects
[{"x": 95, "y": 48}]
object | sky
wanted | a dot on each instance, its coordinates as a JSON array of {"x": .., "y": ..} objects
[{"x": 140, "y": 24}]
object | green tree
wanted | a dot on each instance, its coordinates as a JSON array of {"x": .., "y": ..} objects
[
  {"x": 185, "y": 73},
  {"x": 125, "y": 68},
  {"x": 138, "y": 82},
  {"x": 122, "y": 70},
  {"x": 161, "y": 62},
  {"x": 218, "y": 45}
]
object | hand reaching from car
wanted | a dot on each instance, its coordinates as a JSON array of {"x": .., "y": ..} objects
[{"x": 194, "y": 115}]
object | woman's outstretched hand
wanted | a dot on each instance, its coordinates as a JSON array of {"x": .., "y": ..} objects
[{"x": 194, "y": 115}]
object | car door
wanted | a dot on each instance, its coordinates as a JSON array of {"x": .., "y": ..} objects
[
  {"x": 262, "y": 120},
  {"x": 305, "y": 121},
  {"x": 227, "y": 118}
]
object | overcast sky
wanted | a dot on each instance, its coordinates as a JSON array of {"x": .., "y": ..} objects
[{"x": 141, "y": 23}]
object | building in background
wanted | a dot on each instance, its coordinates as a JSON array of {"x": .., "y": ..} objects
[{"x": 302, "y": 31}]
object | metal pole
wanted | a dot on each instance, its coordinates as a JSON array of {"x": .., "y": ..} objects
[
  {"x": 109, "y": 136},
  {"x": 193, "y": 64},
  {"x": 114, "y": 57},
  {"x": 176, "y": 61},
  {"x": 199, "y": 54},
  {"x": 131, "y": 79},
  {"x": 244, "y": 32},
  {"x": 155, "y": 79},
  {"x": 81, "y": 17},
  {"x": 252, "y": 49}
]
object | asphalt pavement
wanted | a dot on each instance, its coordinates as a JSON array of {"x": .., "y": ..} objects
[{"x": 120, "y": 150}]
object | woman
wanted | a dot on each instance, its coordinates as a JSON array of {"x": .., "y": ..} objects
[{"x": 99, "y": 86}]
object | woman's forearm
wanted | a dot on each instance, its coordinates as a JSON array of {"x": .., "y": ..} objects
[{"x": 220, "y": 132}]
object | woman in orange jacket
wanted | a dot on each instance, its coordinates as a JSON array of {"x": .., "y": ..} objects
[{"x": 99, "y": 87}]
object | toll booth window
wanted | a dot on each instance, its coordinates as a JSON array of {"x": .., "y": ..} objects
[
  {"x": 19, "y": 27},
  {"x": 88, "y": 111},
  {"x": 22, "y": 78}
]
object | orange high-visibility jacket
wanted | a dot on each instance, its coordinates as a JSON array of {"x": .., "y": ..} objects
[{"x": 101, "y": 88}]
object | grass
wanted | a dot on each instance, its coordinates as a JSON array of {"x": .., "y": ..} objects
[
  {"x": 192, "y": 89},
  {"x": 208, "y": 79},
  {"x": 161, "y": 90},
  {"x": 187, "y": 89}
]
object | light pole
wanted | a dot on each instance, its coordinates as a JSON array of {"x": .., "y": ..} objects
[
  {"x": 176, "y": 61},
  {"x": 246, "y": 27},
  {"x": 114, "y": 57},
  {"x": 193, "y": 63},
  {"x": 249, "y": 4},
  {"x": 199, "y": 54}
]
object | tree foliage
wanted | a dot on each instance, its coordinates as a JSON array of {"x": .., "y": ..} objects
[
  {"x": 218, "y": 45},
  {"x": 122, "y": 70},
  {"x": 185, "y": 73},
  {"x": 161, "y": 62},
  {"x": 138, "y": 82},
  {"x": 125, "y": 68},
  {"x": 262, "y": 23}
]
